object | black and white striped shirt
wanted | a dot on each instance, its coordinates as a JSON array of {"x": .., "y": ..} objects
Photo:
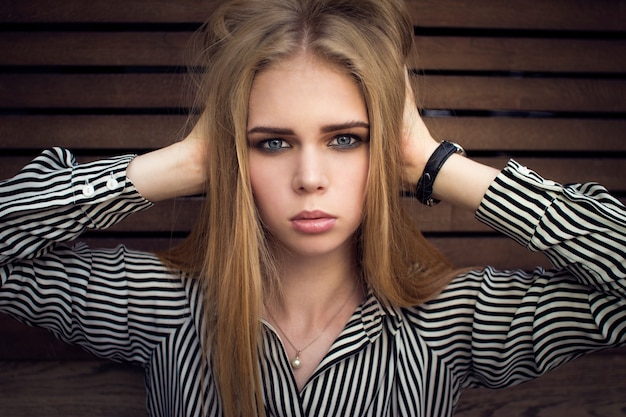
[{"x": 488, "y": 328}]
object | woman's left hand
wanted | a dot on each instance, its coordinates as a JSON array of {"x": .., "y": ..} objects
[
  {"x": 461, "y": 181},
  {"x": 417, "y": 142}
]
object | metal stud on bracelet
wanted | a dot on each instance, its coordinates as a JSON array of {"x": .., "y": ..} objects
[{"x": 424, "y": 188}]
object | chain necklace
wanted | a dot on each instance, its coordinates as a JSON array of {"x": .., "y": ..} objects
[{"x": 296, "y": 362}]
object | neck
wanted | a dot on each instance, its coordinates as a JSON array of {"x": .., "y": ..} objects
[
  {"x": 318, "y": 297},
  {"x": 312, "y": 287}
]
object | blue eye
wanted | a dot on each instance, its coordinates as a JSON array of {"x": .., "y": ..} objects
[
  {"x": 273, "y": 145},
  {"x": 345, "y": 141}
]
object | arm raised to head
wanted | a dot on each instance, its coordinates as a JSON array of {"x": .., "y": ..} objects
[{"x": 174, "y": 171}]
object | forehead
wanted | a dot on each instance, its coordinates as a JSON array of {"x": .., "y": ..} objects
[{"x": 305, "y": 86}]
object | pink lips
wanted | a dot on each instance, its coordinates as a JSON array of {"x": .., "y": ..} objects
[{"x": 313, "y": 222}]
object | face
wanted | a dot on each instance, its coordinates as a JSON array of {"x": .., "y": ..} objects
[{"x": 308, "y": 138}]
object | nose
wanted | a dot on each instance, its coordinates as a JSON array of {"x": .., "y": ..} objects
[{"x": 310, "y": 172}]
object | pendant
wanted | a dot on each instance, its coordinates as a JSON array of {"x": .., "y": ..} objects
[{"x": 296, "y": 362}]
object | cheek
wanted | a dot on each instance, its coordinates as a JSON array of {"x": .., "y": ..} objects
[
  {"x": 359, "y": 173},
  {"x": 351, "y": 183},
  {"x": 264, "y": 180}
]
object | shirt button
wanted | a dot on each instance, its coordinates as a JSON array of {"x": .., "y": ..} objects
[
  {"x": 112, "y": 184},
  {"x": 88, "y": 190}
]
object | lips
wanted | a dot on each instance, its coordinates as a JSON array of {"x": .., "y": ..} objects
[{"x": 313, "y": 222}]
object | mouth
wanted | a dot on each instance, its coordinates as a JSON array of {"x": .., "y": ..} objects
[
  {"x": 312, "y": 215},
  {"x": 313, "y": 222}
]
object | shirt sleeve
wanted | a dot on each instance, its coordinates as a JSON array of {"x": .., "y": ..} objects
[
  {"x": 116, "y": 303},
  {"x": 53, "y": 199},
  {"x": 506, "y": 327}
]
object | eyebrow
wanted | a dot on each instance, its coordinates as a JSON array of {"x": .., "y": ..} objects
[{"x": 324, "y": 129}]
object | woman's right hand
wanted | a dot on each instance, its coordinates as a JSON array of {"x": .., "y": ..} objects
[{"x": 174, "y": 171}]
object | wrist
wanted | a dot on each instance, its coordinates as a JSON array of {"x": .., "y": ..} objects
[
  {"x": 415, "y": 162},
  {"x": 190, "y": 166},
  {"x": 174, "y": 171},
  {"x": 424, "y": 187}
]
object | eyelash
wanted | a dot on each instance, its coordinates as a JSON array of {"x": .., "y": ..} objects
[
  {"x": 355, "y": 141},
  {"x": 264, "y": 145}
]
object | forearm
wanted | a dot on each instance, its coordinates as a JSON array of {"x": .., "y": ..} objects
[
  {"x": 460, "y": 181},
  {"x": 463, "y": 182},
  {"x": 579, "y": 227},
  {"x": 54, "y": 199},
  {"x": 174, "y": 171}
]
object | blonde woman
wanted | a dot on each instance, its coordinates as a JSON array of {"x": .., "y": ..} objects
[{"x": 304, "y": 289}]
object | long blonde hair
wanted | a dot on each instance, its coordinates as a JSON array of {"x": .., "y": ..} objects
[{"x": 228, "y": 250}]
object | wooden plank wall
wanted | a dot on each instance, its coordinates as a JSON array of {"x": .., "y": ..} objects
[{"x": 541, "y": 81}]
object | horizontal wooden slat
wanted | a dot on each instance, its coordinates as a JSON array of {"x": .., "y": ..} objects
[
  {"x": 498, "y": 252},
  {"x": 521, "y": 54},
  {"x": 93, "y": 388},
  {"x": 608, "y": 171},
  {"x": 578, "y": 15},
  {"x": 435, "y": 53},
  {"x": 94, "y": 48},
  {"x": 180, "y": 216},
  {"x": 115, "y": 132},
  {"x": 153, "y": 11},
  {"x": 475, "y": 133},
  {"x": 170, "y": 216},
  {"x": 94, "y": 90},
  {"x": 468, "y": 250},
  {"x": 537, "y": 134},
  {"x": 19, "y": 342},
  {"x": 589, "y": 386},
  {"x": 599, "y": 15},
  {"x": 523, "y": 94},
  {"x": 437, "y": 92}
]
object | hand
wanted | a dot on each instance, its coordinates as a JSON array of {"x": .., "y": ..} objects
[
  {"x": 417, "y": 142},
  {"x": 177, "y": 170},
  {"x": 194, "y": 146},
  {"x": 461, "y": 181}
]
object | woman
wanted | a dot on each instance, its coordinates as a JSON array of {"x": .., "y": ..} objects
[{"x": 304, "y": 289}]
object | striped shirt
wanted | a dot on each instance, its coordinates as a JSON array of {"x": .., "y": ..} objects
[{"x": 488, "y": 328}]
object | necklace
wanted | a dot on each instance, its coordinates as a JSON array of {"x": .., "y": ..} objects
[{"x": 296, "y": 362}]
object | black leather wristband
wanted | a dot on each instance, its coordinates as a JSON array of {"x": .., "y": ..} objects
[{"x": 424, "y": 188}]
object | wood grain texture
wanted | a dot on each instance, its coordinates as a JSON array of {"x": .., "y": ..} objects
[
  {"x": 163, "y": 48},
  {"x": 117, "y": 133},
  {"x": 71, "y": 388},
  {"x": 588, "y": 387},
  {"x": 114, "y": 133},
  {"x": 521, "y": 54},
  {"x": 523, "y": 94},
  {"x": 94, "y": 91},
  {"x": 608, "y": 171},
  {"x": 160, "y": 48},
  {"x": 463, "y": 251},
  {"x": 528, "y": 133},
  {"x": 592, "y": 386},
  {"x": 598, "y": 15},
  {"x": 97, "y": 11},
  {"x": 436, "y": 92},
  {"x": 573, "y": 15}
]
